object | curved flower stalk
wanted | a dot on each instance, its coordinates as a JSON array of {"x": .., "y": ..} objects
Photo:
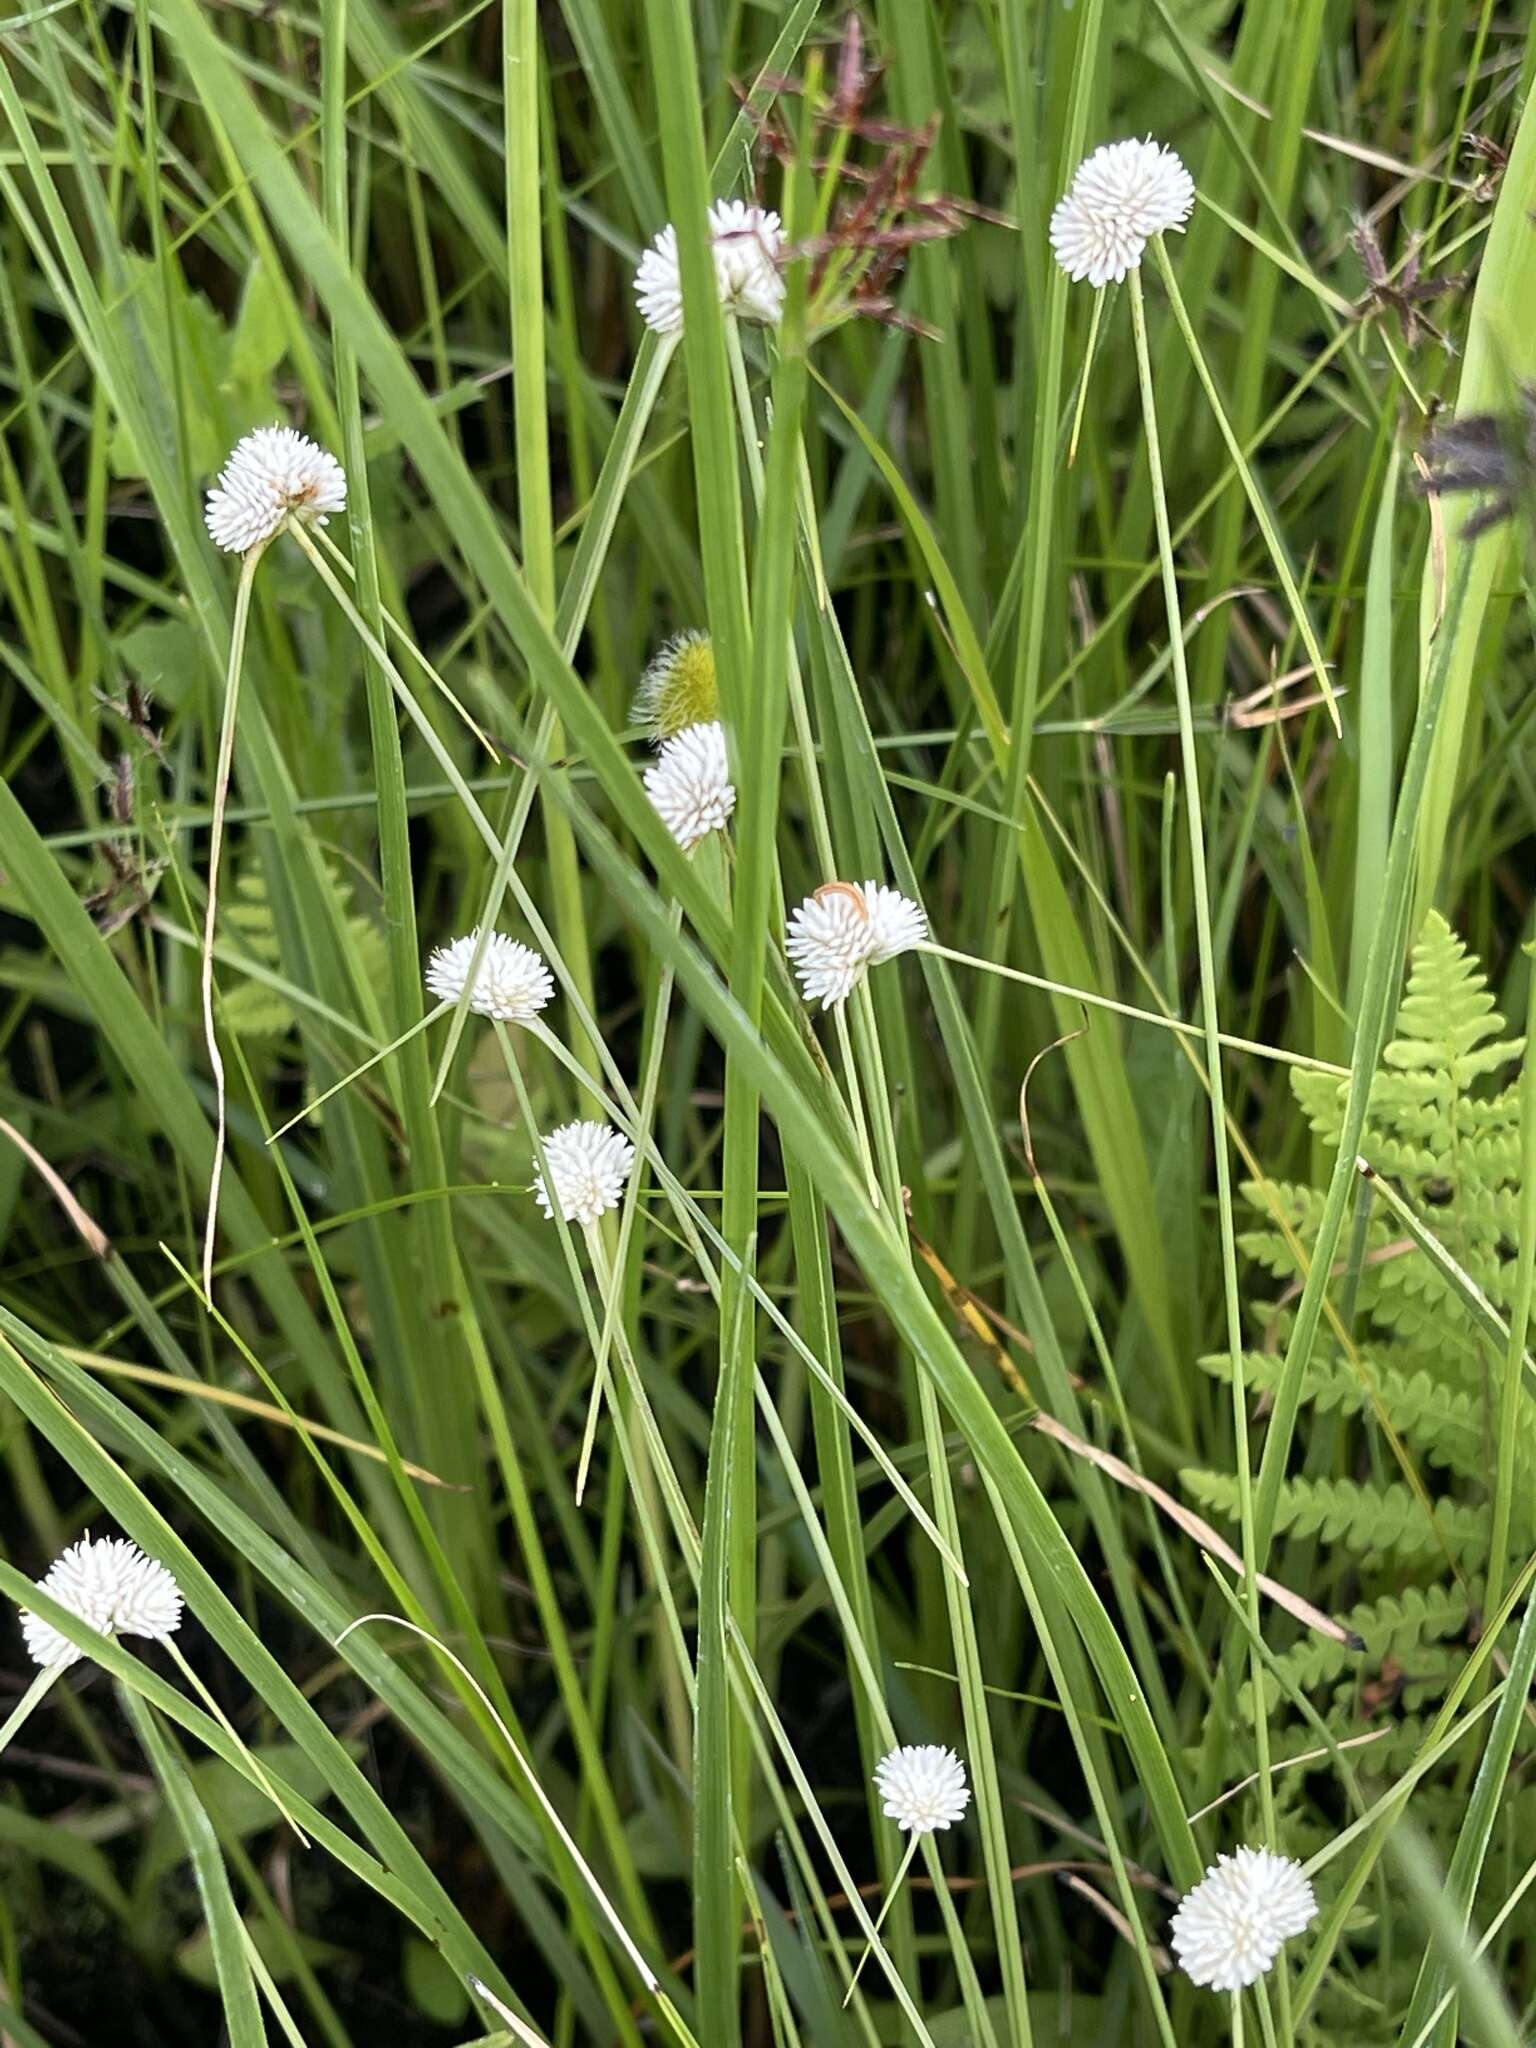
[
  {"x": 541, "y": 1798},
  {"x": 922, "y": 1788},
  {"x": 747, "y": 244},
  {"x": 273, "y": 476}
]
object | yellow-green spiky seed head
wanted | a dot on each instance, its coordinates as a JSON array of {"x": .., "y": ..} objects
[{"x": 679, "y": 688}]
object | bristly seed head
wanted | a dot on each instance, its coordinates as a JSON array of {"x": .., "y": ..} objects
[
  {"x": 1492, "y": 453},
  {"x": 679, "y": 689}
]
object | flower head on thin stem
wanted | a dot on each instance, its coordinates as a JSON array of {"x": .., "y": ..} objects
[
  {"x": 679, "y": 688},
  {"x": 590, "y": 1165},
  {"x": 1122, "y": 195},
  {"x": 511, "y": 984},
  {"x": 842, "y": 929},
  {"x": 922, "y": 1787},
  {"x": 747, "y": 243},
  {"x": 271, "y": 473},
  {"x": 1228, "y": 1931},
  {"x": 690, "y": 786},
  {"x": 110, "y": 1585}
]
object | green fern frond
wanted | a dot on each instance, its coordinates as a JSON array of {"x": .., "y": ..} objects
[
  {"x": 1444, "y": 1423},
  {"x": 1395, "y": 1627},
  {"x": 1388, "y": 1519},
  {"x": 250, "y": 1009}
]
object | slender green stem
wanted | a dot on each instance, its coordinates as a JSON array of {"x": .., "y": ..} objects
[
  {"x": 535, "y": 1785},
  {"x": 193, "y": 1679},
  {"x": 357, "y": 1073},
  {"x": 1261, "y": 1999},
  {"x": 1199, "y": 884},
  {"x": 855, "y": 1098},
  {"x": 1085, "y": 375},
  {"x": 14, "y": 1721},
  {"x": 1097, "y": 1002},
  {"x": 1504, "y": 1483},
  {"x": 1255, "y": 496},
  {"x": 886, "y": 1904},
  {"x": 1383, "y": 969},
  {"x": 221, "y": 775},
  {"x": 959, "y": 1610}
]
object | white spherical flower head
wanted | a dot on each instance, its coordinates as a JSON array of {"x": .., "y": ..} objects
[
  {"x": 896, "y": 922},
  {"x": 512, "y": 984},
  {"x": 922, "y": 1787},
  {"x": 1123, "y": 195},
  {"x": 271, "y": 473},
  {"x": 690, "y": 785},
  {"x": 843, "y": 929},
  {"x": 830, "y": 940},
  {"x": 747, "y": 243},
  {"x": 590, "y": 1166},
  {"x": 748, "y": 246},
  {"x": 111, "y": 1586},
  {"x": 1228, "y": 1931},
  {"x": 659, "y": 285}
]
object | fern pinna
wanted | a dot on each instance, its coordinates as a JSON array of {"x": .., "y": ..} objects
[{"x": 1390, "y": 1513}]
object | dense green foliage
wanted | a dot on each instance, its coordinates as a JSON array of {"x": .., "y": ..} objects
[{"x": 1134, "y": 635}]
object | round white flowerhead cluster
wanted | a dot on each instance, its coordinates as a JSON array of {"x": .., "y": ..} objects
[
  {"x": 1123, "y": 195},
  {"x": 1228, "y": 1931},
  {"x": 512, "y": 983},
  {"x": 842, "y": 929},
  {"x": 589, "y": 1164},
  {"x": 112, "y": 1586},
  {"x": 271, "y": 473},
  {"x": 922, "y": 1787},
  {"x": 680, "y": 688},
  {"x": 690, "y": 786},
  {"x": 747, "y": 243}
]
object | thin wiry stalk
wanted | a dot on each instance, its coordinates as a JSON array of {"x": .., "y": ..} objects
[
  {"x": 1198, "y": 862},
  {"x": 221, "y": 777}
]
